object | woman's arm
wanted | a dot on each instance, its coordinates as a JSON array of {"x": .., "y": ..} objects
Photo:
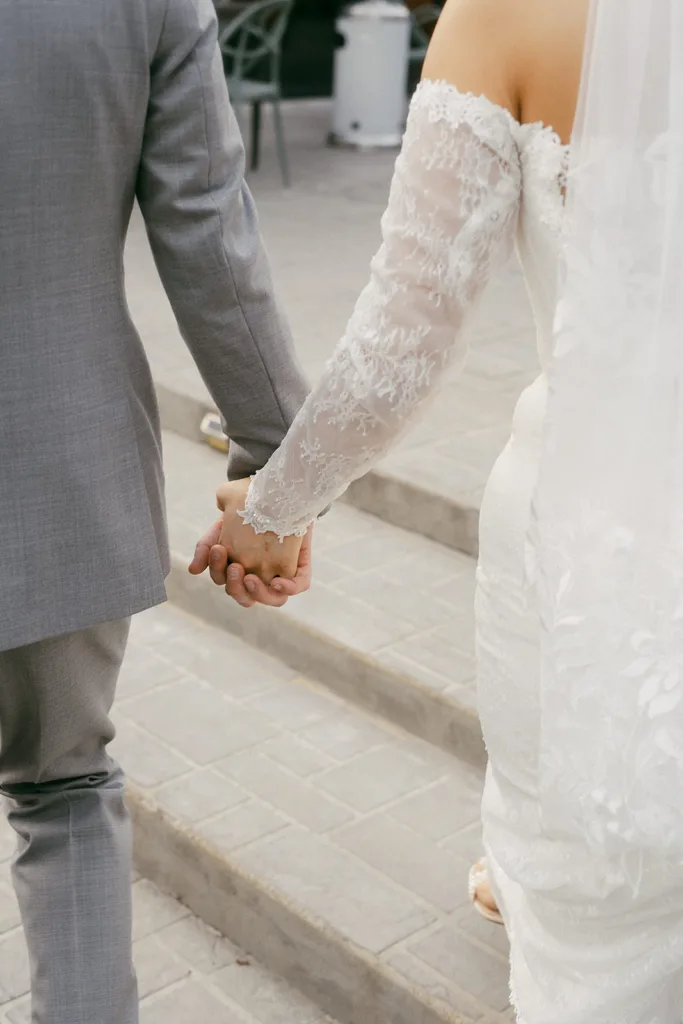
[{"x": 450, "y": 221}]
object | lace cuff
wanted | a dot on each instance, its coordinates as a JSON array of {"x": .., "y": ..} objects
[{"x": 261, "y": 523}]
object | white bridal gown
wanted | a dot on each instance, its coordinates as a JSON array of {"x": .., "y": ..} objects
[{"x": 469, "y": 184}]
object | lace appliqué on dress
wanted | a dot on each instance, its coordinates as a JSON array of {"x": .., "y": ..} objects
[
  {"x": 545, "y": 160},
  {"x": 450, "y": 221}
]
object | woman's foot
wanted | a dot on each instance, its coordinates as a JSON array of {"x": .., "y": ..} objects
[{"x": 481, "y": 894}]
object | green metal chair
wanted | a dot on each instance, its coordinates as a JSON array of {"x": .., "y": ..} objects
[
  {"x": 251, "y": 44},
  {"x": 424, "y": 18}
]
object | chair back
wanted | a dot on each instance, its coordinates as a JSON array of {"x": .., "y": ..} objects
[{"x": 252, "y": 41}]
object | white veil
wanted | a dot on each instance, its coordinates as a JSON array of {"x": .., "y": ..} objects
[{"x": 607, "y": 527}]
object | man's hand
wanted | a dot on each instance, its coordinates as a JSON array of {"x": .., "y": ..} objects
[{"x": 248, "y": 588}]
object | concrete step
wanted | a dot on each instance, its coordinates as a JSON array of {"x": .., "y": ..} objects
[
  {"x": 420, "y": 494},
  {"x": 328, "y": 843},
  {"x": 186, "y": 970},
  {"x": 388, "y": 623}
]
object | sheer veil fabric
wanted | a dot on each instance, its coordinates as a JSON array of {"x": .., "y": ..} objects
[{"x": 606, "y": 541}]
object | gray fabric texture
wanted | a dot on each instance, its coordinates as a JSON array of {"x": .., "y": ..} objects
[
  {"x": 103, "y": 101},
  {"x": 65, "y": 797}
]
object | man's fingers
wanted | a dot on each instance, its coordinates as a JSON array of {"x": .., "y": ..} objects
[
  {"x": 291, "y": 588},
  {"x": 235, "y": 587},
  {"x": 200, "y": 561},
  {"x": 259, "y": 592},
  {"x": 285, "y": 587},
  {"x": 218, "y": 565}
]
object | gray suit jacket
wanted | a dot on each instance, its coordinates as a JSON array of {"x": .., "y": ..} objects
[{"x": 103, "y": 101}]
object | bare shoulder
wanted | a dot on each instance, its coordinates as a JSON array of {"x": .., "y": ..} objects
[
  {"x": 524, "y": 55},
  {"x": 475, "y": 47},
  {"x": 555, "y": 36}
]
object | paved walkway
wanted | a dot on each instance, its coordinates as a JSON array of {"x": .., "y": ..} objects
[
  {"x": 321, "y": 235},
  {"x": 186, "y": 971},
  {"x": 348, "y": 820}
]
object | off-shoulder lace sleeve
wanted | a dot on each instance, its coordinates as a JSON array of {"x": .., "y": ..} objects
[{"x": 451, "y": 218}]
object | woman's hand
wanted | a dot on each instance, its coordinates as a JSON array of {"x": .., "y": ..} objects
[
  {"x": 250, "y": 590},
  {"x": 259, "y": 554},
  {"x": 226, "y": 571}
]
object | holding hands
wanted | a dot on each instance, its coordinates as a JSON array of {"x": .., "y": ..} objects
[{"x": 254, "y": 568}]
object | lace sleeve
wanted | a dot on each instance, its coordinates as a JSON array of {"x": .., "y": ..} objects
[{"x": 451, "y": 217}]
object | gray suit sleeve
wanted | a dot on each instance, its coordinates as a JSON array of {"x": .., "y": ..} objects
[{"x": 205, "y": 237}]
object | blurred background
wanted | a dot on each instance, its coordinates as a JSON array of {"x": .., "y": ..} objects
[{"x": 310, "y": 40}]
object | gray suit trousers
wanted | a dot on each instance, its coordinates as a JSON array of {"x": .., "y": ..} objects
[{"x": 65, "y": 796}]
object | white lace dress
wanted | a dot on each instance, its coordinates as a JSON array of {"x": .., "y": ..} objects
[{"x": 469, "y": 183}]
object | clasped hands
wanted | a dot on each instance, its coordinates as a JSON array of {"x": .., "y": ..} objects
[{"x": 254, "y": 568}]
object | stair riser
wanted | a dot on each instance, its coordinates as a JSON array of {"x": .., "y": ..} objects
[
  {"x": 358, "y": 678},
  {"x": 342, "y": 979},
  {"x": 412, "y": 508}
]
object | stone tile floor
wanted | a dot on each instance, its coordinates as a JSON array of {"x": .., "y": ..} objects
[
  {"x": 362, "y": 826},
  {"x": 186, "y": 971}
]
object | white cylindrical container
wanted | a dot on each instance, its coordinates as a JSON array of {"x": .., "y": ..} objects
[{"x": 371, "y": 74}]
